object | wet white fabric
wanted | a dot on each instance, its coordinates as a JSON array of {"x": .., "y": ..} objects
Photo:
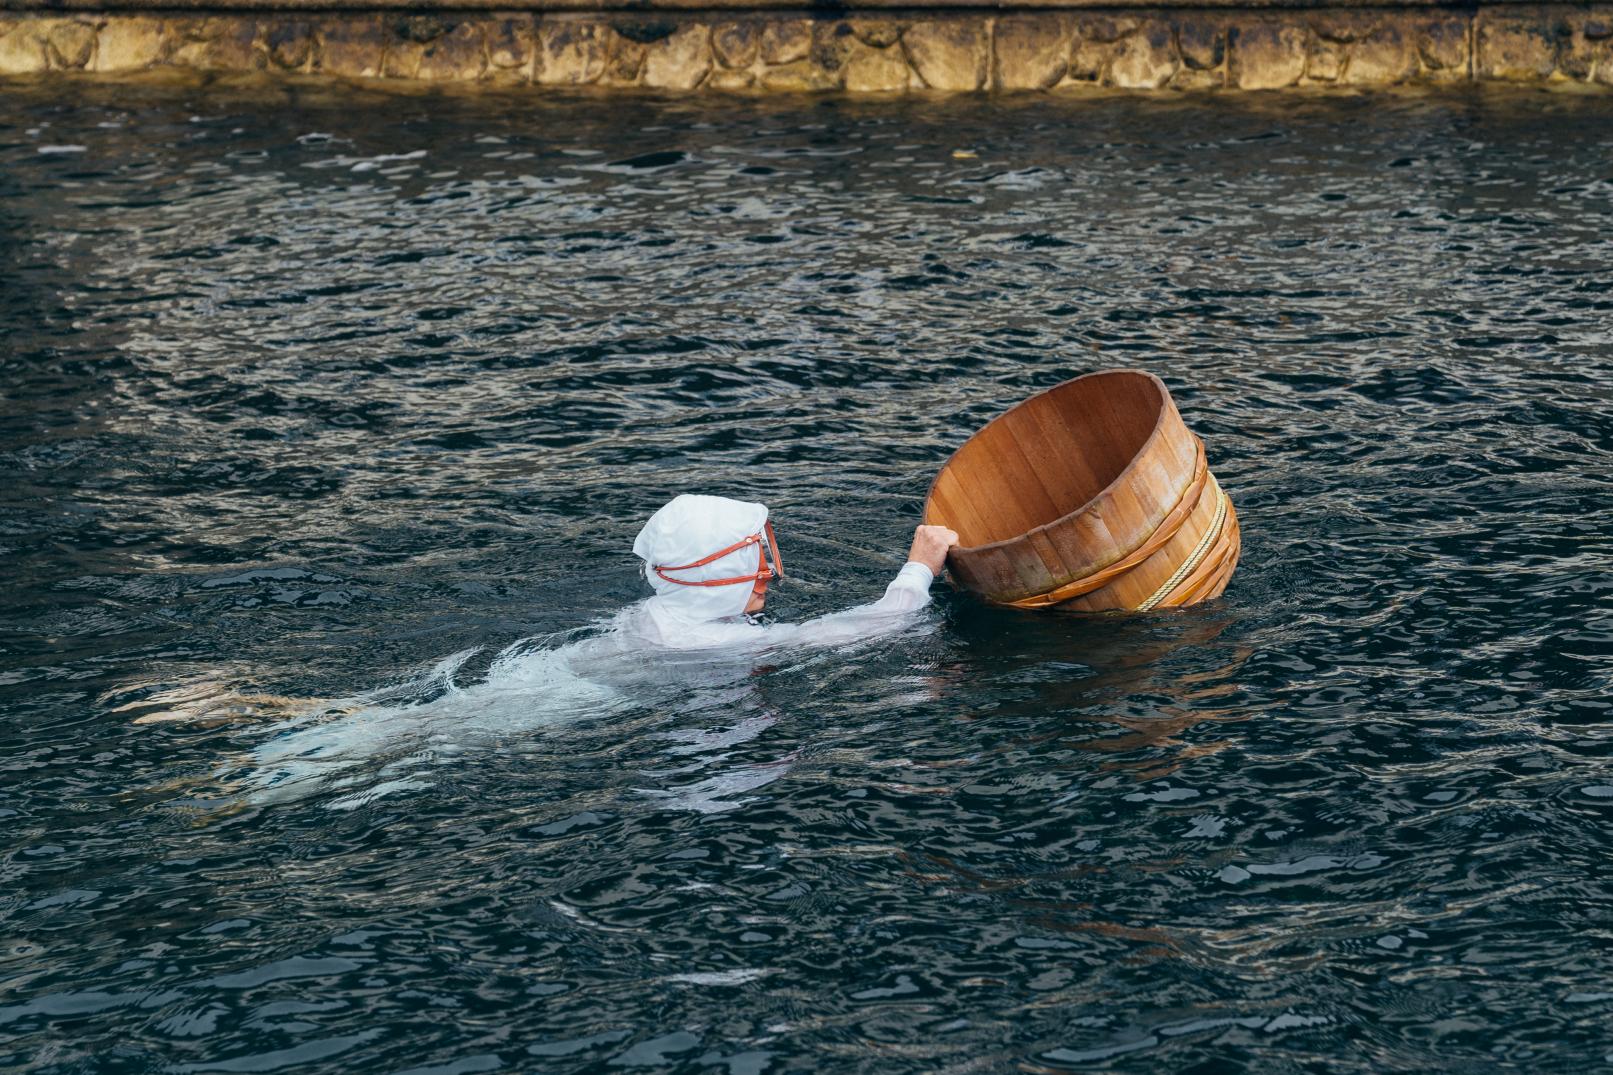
[{"x": 711, "y": 617}]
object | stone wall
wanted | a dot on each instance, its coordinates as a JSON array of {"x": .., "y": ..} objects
[{"x": 1159, "y": 49}]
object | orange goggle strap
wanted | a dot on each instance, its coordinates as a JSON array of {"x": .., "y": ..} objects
[{"x": 763, "y": 571}]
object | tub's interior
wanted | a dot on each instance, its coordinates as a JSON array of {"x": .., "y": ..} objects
[{"x": 1045, "y": 458}]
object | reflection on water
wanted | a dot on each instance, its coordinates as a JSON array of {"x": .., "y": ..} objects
[{"x": 328, "y": 422}]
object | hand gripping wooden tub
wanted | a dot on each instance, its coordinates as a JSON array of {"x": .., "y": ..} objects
[{"x": 1092, "y": 496}]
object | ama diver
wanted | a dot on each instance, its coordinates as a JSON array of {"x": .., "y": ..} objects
[{"x": 709, "y": 560}]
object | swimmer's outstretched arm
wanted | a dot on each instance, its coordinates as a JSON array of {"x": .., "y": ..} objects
[{"x": 908, "y": 592}]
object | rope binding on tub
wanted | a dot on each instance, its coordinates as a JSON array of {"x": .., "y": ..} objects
[{"x": 1194, "y": 558}]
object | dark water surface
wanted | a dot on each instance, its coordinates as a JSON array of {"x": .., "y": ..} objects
[{"x": 306, "y": 396}]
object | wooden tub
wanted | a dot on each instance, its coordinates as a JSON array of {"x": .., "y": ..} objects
[{"x": 1092, "y": 496}]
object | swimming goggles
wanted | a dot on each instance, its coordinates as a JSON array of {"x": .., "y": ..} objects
[{"x": 766, "y": 550}]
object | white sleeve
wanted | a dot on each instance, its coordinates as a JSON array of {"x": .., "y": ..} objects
[{"x": 908, "y": 592}]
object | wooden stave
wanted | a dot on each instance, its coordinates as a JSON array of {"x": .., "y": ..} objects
[{"x": 1023, "y": 569}]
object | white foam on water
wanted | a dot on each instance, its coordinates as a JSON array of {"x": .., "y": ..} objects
[
  {"x": 415, "y": 724},
  {"x": 398, "y": 739}
]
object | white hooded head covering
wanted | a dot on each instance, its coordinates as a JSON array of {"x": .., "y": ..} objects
[{"x": 691, "y": 528}]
